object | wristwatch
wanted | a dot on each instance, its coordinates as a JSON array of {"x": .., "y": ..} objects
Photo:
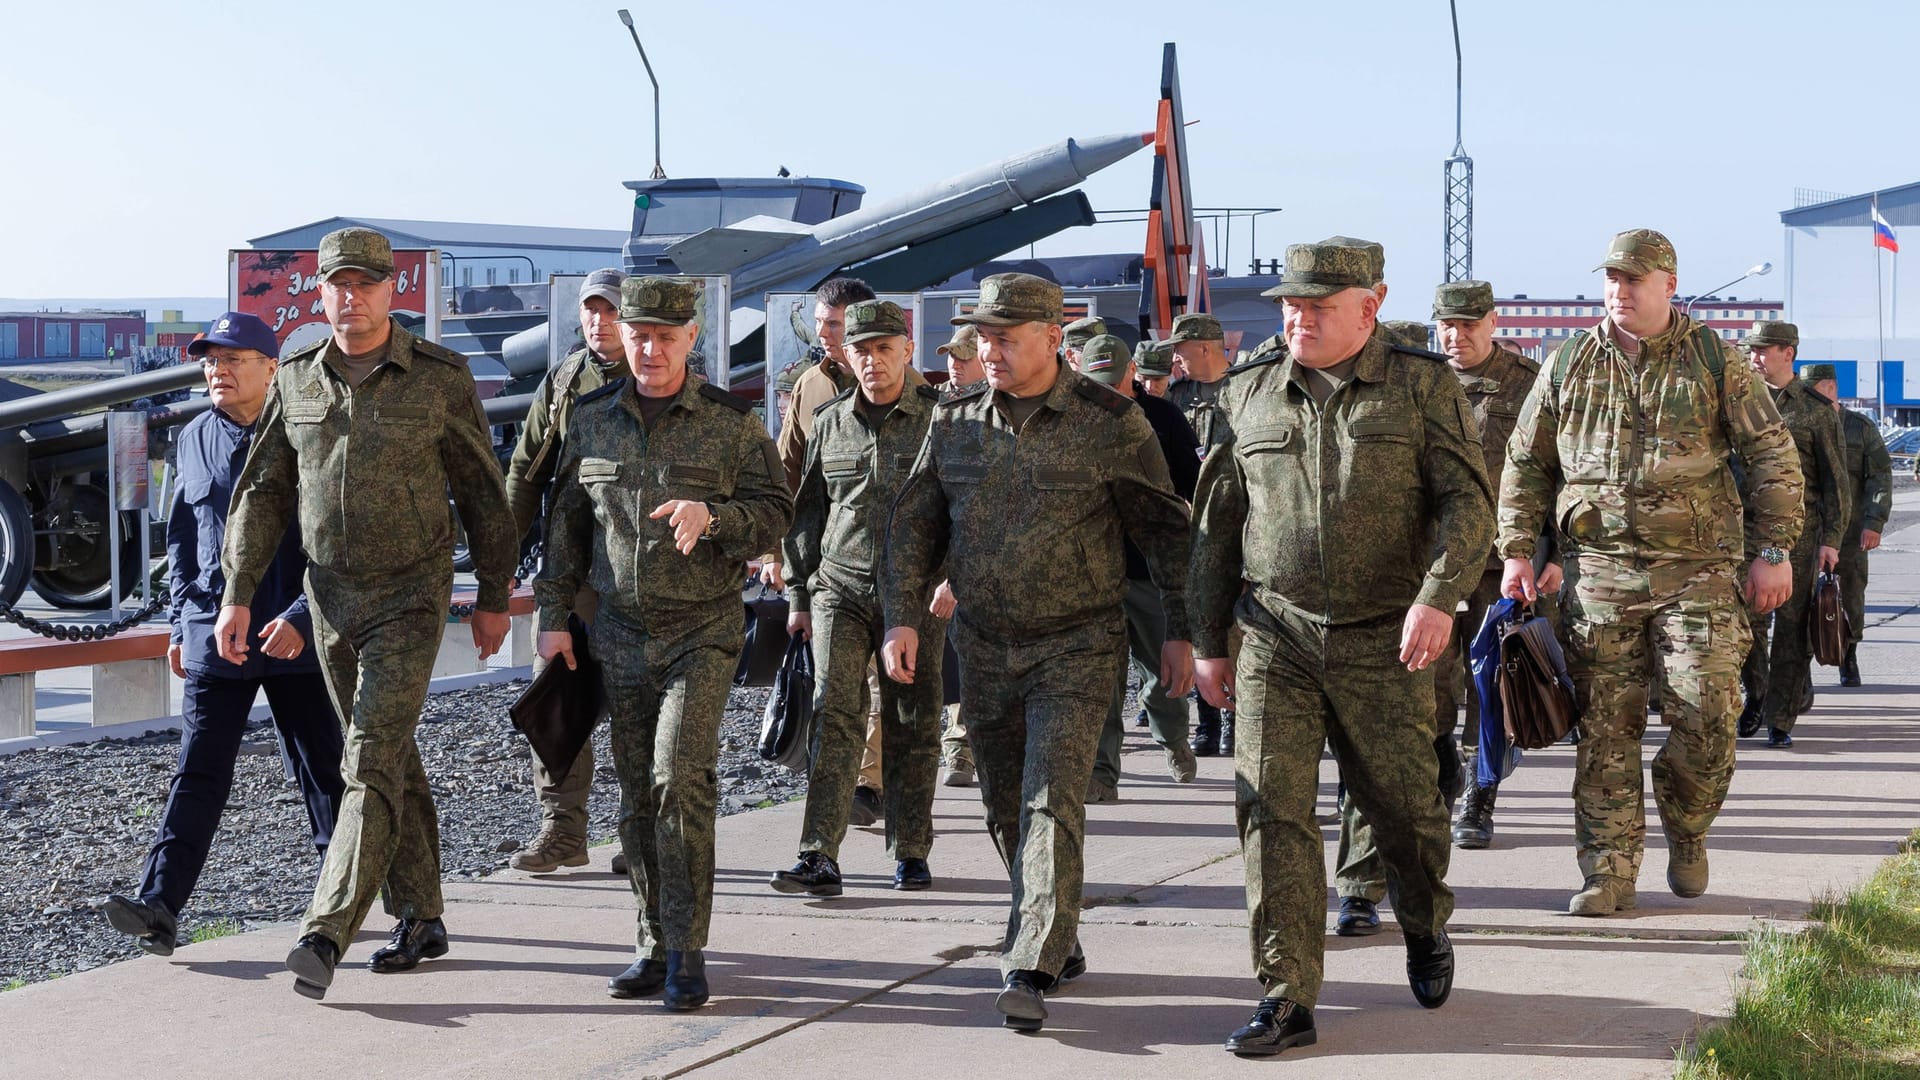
[
  {"x": 1774, "y": 556},
  {"x": 707, "y": 533}
]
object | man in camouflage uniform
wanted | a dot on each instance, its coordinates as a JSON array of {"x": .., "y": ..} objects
[
  {"x": 667, "y": 486},
  {"x": 1870, "y": 494},
  {"x": 363, "y": 437},
  {"x": 1344, "y": 436},
  {"x": 863, "y": 447},
  {"x": 1622, "y": 446},
  {"x": 1409, "y": 332},
  {"x": 1779, "y": 677},
  {"x": 599, "y": 361},
  {"x": 963, "y": 371},
  {"x": 1076, "y": 335},
  {"x": 1153, "y": 361},
  {"x": 1199, "y": 346},
  {"x": 1038, "y": 470}
]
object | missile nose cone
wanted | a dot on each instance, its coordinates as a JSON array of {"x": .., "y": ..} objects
[{"x": 1092, "y": 155}]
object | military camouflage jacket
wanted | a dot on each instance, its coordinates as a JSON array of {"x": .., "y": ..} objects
[
  {"x": 1815, "y": 428},
  {"x": 1870, "y": 475},
  {"x": 708, "y": 447},
  {"x": 538, "y": 451},
  {"x": 1201, "y": 404},
  {"x": 1496, "y": 390},
  {"x": 1630, "y": 457},
  {"x": 852, "y": 476},
  {"x": 1029, "y": 523},
  {"x": 368, "y": 468},
  {"x": 1343, "y": 514}
]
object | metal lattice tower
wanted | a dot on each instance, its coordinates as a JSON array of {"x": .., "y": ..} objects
[{"x": 1456, "y": 241}]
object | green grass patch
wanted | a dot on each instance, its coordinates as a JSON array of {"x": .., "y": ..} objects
[
  {"x": 1839, "y": 1000},
  {"x": 14, "y": 984},
  {"x": 219, "y": 928}
]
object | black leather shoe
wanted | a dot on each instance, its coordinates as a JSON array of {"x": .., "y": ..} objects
[
  {"x": 1749, "y": 724},
  {"x": 814, "y": 875},
  {"x": 1278, "y": 1024},
  {"x": 1359, "y": 917},
  {"x": 686, "y": 985},
  {"x": 866, "y": 807},
  {"x": 1022, "y": 1005},
  {"x": 1430, "y": 968},
  {"x": 147, "y": 920},
  {"x": 413, "y": 940},
  {"x": 1076, "y": 964},
  {"x": 1850, "y": 667},
  {"x": 312, "y": 962},
  {"x": 912, "y": 875},
  {"x": 1779, "y": 739},
  {"x": 1226, "y": 733},
  {"x": 643, "y": 977},
  {"x": 1473, "y": 829},
  {"x": 1205, "y": 741}
]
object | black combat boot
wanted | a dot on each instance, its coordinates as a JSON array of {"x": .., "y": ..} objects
[
  {"x": 1473, "y": 829},
  {"x": 1206, "y": 732},
  {"x": 1226, "y": 733},
  {"x": 1850, "y": 667},
  {"x": 686, "y": 985}
]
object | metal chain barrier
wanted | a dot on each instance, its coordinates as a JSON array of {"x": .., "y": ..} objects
[
  {"x": 525, "y": 573},
  {"x": 84, "y": 631}
]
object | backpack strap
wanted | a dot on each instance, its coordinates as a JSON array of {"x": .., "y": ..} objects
[
  {"x": 1563, "y": 360},
  {"x": 561, "y": 389}
]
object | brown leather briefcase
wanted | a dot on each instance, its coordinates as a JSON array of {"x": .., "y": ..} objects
[
  {"x": 1827, "y": 628},
  {"x": 1536, "y": 692}
]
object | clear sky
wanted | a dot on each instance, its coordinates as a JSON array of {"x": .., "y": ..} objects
[{"x": 144, "y": 140}]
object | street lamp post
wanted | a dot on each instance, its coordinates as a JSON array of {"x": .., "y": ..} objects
[
  {"x": 627, "y": 21},
  {"x": 1761, "y": 270}
]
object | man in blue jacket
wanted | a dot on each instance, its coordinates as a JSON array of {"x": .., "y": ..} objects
[{"x": 238, "y": 356}]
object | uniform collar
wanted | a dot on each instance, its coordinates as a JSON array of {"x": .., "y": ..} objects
[
  {"x": 1370, "y": 363},
  {"x": 399, "y": 345},
  {"x": 682, "y": 401}
]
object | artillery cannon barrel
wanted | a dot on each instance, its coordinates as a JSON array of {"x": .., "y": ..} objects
[
  {"x": 114, "y": 391},
  {"x": 507, "y": 410},
  {"x": 525, "y": 353},
  {"x": 53, "y": 438}
]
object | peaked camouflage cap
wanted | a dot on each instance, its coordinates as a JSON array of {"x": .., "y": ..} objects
[
  {"x": 1376, "y": 255},
  {"x": 1773, "y": 333},
  {"x": 1012, "y": 299},
  {"x": 1315, "y": 270},
  {"x": 1081, "y": 331},
  {"x": 1814, "y": 373},
  {"x": 869, "y": 319},
  {"x": 1104, "y": 359},
  {"x": 1463, "y": 300},
  {"x": 1640, "y": 252},
  {"x": 355, "y": 248},
  {"x": 965, "y": 343},
  {"x": 1153, "y": 359},
  {"x": 667, "y": 301},
  {"x": 1196, "y": 326}
]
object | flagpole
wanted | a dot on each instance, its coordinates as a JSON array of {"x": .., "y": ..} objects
[{"x": 1879, "y": 326}]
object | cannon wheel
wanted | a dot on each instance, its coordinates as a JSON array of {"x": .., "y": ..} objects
[
  {"x": 16, "y": 544},
  {"x": 84, "y": 583}
]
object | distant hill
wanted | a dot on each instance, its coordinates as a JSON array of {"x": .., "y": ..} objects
[{"x": 191, "y": 308}]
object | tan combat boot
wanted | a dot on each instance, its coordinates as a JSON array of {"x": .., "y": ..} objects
[
  {"x": 1687, "y": 867},
  {"x": 550, "y": 851},
  {"x": 1604, "y": 895}
]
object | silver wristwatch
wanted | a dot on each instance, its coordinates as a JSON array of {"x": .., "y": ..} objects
[{"x": 1774, "y": 556}]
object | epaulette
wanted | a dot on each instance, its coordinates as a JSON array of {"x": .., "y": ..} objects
[
  {"x": 1257, "y": 360},
  {"x": 834, "y": 400},
  {"x": 608, "y": 390},
  {"x": 967, "y": 394},
  {"x": 1103, "y": 395},
  {"x": 1531, "y": 365},
  {"x": 304, "y": 352},
  {"x": 730, "y": 400},
  {"x": 439, "y": 352},
  {"x": 926, "y": 390},
  {"x": 1425, "y": 354},
  {"x": 1816, "y": 395}
]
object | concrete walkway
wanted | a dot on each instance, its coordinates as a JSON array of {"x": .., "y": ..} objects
[{"x": 887, "y": 984}]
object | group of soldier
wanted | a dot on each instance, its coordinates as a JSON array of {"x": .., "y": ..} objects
[{"x": 1645, "y": 476}]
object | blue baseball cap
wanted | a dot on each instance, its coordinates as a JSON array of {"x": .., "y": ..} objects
[{"x": 238, "y": 330}]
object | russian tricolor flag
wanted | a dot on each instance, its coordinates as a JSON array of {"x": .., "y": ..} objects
[{"x": 1883, "y": 233}]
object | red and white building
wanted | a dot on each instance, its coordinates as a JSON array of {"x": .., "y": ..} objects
[
  {"x": 1535, "y": 326},
  {"x": 70, "y": 335}
]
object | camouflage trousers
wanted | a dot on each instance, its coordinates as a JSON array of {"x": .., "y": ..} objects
[
  {"x": 1853, "y": 586},
  {"x": 1780, "y": 670},
  {"x": 665, "y": 700},
  {"x": 1166, "y": 718},
  {"x": 1034, "y": 710},
  {"x": 1301, "y": 685},
  {"x": 847, "y": 628},
  {"x": 563, "y": 803},
  {"x": 376, "y": 642},
  {"x": 1686, "y": 621}
]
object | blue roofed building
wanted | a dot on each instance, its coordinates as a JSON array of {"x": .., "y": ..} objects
[{"x": 1853, "y": 304}]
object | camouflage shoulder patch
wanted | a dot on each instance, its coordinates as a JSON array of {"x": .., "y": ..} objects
[
  {"x": 1104, "y": 396},
  {"x": 730, "y": 400},
  {"x": 971, "y": 392},
  {"x": 423, "y": 347},
  {"x": 1427, "y": 354},
  {"x": 608, "y": 390},
  {"x": 834, "y": 400},
  {"x": 927, "y": 391}
]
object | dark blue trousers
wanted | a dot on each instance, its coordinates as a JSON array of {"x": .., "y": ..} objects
[{"x": 215, "y": 718}]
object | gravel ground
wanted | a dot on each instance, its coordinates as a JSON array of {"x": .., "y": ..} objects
[{"x": 76, "y": 821}]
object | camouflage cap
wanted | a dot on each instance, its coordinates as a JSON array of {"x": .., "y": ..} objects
[
  {"x": 1081, "y": 331},
  {"x": 1314, "y": 270},
  {"x": 1463, "y": 300},
  {"x": 1640, "y": 252},
  {"x": 355, "y": 248},
  {"x": 1376, "y": 255},
  {"x": 965, "y": 344},
  {"x": 1104, "y": 359},
  {"x": 1012, "y": 299},
  {"x": 1196, "y": 326},
  {"x": 869, "y": 319},
  {"x": 1773, "y": 333},
  {"x": 668, "y": 301},
  {"x": 1814, "y": 373},
  {"x": 783, "y": 383},
  {"x": 1413, "y": 335},
  {"x": 1153, "y": 359}
]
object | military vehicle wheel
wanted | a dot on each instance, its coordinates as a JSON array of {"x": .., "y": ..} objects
[
  {"x": 16, "y": 544},
  {"x": 84, "y": 579}
]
